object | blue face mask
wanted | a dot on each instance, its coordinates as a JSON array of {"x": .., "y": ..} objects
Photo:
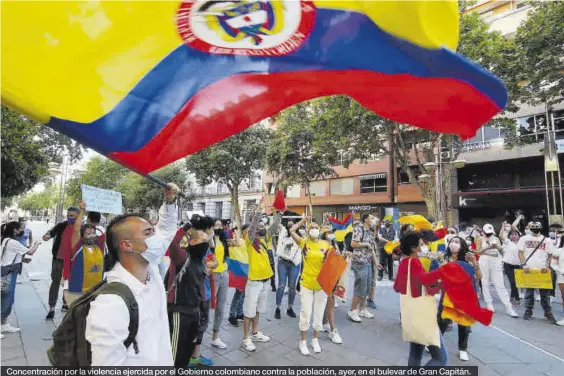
[{"x": 71, "y": 220}]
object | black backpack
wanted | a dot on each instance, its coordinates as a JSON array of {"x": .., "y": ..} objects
[{"x": 70, "y": 347}]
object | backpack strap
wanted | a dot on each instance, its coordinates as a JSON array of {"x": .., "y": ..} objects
[{"x": 117, "y": 288}]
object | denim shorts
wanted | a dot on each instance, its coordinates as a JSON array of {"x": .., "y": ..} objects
[{"x": 362, "y": 279}]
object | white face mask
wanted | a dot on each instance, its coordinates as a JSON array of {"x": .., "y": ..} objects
[
  {"x": 424, "y": 249},
  {"x": 302, "y": 232},
  {"x": 454, "y": 247},
  {"x": 373, "y": 222},
  {"x": 314, "y": 233},
  {"x": 331, "y": 237},
  {"x": 265, "y": 220},
  {"x": 156, "y": 249}
]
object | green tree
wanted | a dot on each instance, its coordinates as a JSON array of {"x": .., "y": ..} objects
[
  {"x": 540, "y": 44},
  {"x": 27, "y": 148},
  {"x": 231, "y": 162},
  {"x": 292, "y": 156}
]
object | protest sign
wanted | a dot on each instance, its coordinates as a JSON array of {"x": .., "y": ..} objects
[
  {"x": 533, "y": 280},
  {"x": 101, "y": 200}
]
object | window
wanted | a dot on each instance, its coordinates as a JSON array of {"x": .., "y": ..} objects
[
  {"x": 342, "y": 186},
  {"x": 344, "y": 157},
  {"x": 250, "y": 204},
  {"x": 190, "y": 206},
  {"x": 218, "y": 210},
  {"x": 558, "y": 118},
  {"x": 202, "y": 206},
  {"x": 403, "y": 178},
  {"x": 373, "y": 183},
  {"x": 532, "y": 128},
  {"x": 317, "y": 188},
  {"x": 293, "y": 191}
]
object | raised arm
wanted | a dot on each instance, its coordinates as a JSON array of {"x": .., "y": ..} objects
[
  {"x": 75, "y": 238},
  {"x": 168, "y": 215},
  {"x": 274, "y": 228},
  {"x": 293, "y": 231}
]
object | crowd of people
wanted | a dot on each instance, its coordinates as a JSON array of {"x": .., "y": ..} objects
[{"x": 177, "y": 275}]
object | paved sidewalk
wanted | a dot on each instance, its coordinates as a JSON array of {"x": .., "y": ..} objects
[{"x": 508, "y": 347}]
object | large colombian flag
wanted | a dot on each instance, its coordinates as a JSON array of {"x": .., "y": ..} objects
[
  {"x": 147, "y": 83},
  {"x": 342, "y": 228}
]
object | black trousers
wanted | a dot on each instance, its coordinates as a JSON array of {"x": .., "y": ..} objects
[
  {"x": 204, "y": 320},
  {"x": 386, "y": 259},
  {"x": 510, "y": 272},
  {"x": 544, "y": 299},
  {"x": 273, "y": 278},
  {"x": 183, "y": 336},
  {"x": 463, "y": 331}
]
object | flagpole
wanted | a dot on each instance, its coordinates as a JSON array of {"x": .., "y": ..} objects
[{"x": 162, "y": 183}]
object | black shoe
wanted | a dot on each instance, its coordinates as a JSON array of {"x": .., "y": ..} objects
[
  {"x": 550, "y": 317},
  {"x": 392, "y": 279},
  {"x": 241, "y": 317},
  {"x": 380, "y": 278},
  {"x": 64, "y": 308},
  {"x": 277, "y": 314},
  {"x": 528, "y": 314},
  {"x": 233, "y": 322},
  {"x": 274, "y": 289},
  {"x": 291, "y": 312},
  {"x": 50, "y": 315}
]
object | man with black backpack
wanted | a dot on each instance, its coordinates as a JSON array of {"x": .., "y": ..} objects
[{"x": 123, "y": 321}]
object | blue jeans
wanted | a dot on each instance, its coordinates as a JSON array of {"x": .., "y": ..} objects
[
  {"x": 8, "y": 299},
  {"x": 287, "y": 271},
  {"x": 237, "y": 304},
  {"x": 438, "y": 355}
]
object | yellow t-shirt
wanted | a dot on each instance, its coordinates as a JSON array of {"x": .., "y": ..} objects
[
  {"x": 220, "y": 256},
  {"x": 313, "y": 256},
  {"x": 259, "y": 263}
]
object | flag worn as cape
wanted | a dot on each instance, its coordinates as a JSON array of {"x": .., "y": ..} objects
[
  {"x": 148, "y": 82},
  {"x": 342, "y": 228}
]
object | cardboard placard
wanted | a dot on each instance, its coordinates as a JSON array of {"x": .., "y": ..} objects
[
  {"x": 533, "y": 280},
  {"x": 102, "y": 200}
]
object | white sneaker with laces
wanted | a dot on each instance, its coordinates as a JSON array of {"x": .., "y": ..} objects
[
  {"x": 2, "y": 336},
  {"x": 248, "y": 344},
  {"x": 353, "y": 315},
  {"x": 326, "y": 327},
  {"x": 335, "y": 337},
  {"x": 366, "y": 313},
  {"x": 7, "y": 328},
  {"x": 302, "y": 345},
  {"x": 490, "y": 307},
  {"x": 259, "y": 337},
  {"x": 219, "y": 343},
  {"x": 561, "y": 322},
  {"x": 511, "y": 312},
  {"x": 315, "y": 345},
  {"x": 464, "y": 356}
]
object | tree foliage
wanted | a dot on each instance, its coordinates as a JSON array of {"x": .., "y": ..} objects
[
  {"x": 27, "y": 148},
  {"x": 231, "y": 162},
  {"x": 540, "y": 44}
]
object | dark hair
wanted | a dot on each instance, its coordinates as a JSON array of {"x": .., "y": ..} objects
[
  {"x": 22, "y": 219},
  {"x": 83, "y": 228},
  {"x": 403, "y": 229},
  {"x": 73, "y": 209},
  {"x": 8, "y": 229},
  {"x": 202, "y": 223},
  {"x": 408, "y": 241},
  {"x": 463, "y": 249},
  {"x": 561, "y": 245},
  {"x": 94, "y": 216},
  {"x": 245, "y": 226},
  {"x": 112, "y": 239},
  {"x": 364, "y": 216},
  {"x": 512, "y": 231}
]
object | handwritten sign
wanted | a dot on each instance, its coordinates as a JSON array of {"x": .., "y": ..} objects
[
  {"x": 533, "y": 280},
  {"x": 101, "y": 200}
]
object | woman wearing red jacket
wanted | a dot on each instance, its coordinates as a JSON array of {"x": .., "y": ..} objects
[{"x": 410, "y": 245}]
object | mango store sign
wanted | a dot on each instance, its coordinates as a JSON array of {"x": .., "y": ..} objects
[{"x": 102, "y": 200}]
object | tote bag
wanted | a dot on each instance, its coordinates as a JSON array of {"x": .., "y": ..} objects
[
  {"x": 419, "y": 316},
  {"x": 331, "y": 272}
]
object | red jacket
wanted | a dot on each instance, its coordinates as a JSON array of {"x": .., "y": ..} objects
[{"x": 419, "y": 278}]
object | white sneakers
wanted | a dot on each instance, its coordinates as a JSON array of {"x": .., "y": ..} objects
[
  {"x": 326, "y": 327},
  {"x": 353, "y": 315},
  {"x": 7, "y": 328},
  {"x": 315, "y": 345},
  {"x": 464, "y": 356},
  {"x": 336, "y": 304},
  {"x": 561, "y": 322},
  {"x": 302, "y": 345},
  {"x": 336, "y": 338},
  {"x": 219, "y": 343},
  {"x": 490, "y": 307},
  {"x": 259, "y": 337},
  {"x": 511, "y": 312},
  {"x": 248, "y": 344},
  {"x": 366, "y": 313}
]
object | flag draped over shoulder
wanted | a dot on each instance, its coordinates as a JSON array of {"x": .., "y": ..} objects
[
  {"x": 342, "y": 228},
  {"x": 238, "y": 266},
  {"x": 147, "y": 83}
]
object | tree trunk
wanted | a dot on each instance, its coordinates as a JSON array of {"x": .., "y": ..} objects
[{"x": 234, "y": 193}]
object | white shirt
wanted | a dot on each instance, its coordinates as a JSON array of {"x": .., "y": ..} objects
[
  {"x": 13, "y": 253},
  {"x": 492, "y": 240},
  {"x": 528, "y": 243},
  {"x": 108, "y": 319},
  {"x": 510, "y": 253},
  {"x": 287, "y": 249},
  {"x": 557, "y": 264}
]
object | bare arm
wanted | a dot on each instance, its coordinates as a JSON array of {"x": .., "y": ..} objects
[
  {"x": 293, "y": 234},
  {"x": 75, "y": 238},
  {"x": 275, "y": 226},
  {"x": 30, "y": 239}
]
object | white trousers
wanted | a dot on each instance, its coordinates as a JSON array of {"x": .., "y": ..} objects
[
  {"x": 313, "y": 303},
  {"x": 492, "y": 271}
]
